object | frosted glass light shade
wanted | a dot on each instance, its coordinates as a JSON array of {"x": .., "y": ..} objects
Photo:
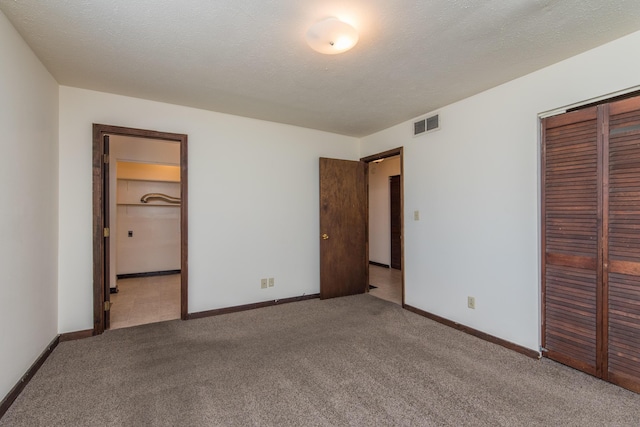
[{"x": 331, "y": 36}]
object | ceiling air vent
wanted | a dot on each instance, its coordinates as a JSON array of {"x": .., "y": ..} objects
[{"x": 425, "y": 125}]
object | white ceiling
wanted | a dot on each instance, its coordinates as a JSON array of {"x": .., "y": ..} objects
[{"x": 250, "y": 58}]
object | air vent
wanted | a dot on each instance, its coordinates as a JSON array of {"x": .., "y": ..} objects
[{"x": 425, "y": 125}]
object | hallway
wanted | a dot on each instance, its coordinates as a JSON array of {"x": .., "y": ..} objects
[
  {"x": 145, "y": 300},
  {"x": 388, "y": 282}
]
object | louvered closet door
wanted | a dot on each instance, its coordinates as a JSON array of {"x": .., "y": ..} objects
[
  {"x": 622, "y": 269},
  {"x": 570, "y": 238}
]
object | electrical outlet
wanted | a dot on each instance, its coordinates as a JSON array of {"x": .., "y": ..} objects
[
  {"x": 263, "y": 283},
  {"x": 272, "y": 282},
  {"x": 416, "y": 215},
  {"x": 471, "y": 302}
]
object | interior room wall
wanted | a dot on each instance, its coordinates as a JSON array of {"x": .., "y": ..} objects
[
  {"x": 157, "y": 154},
  {"x": 379, "y": 209},
  {"x": 149, "y": 171},
  {"x": 29, "y": 207},
  {"x": 476, "y": 185},
  {"x": 253, "y": 201},
  {"x": 148, "y": 234}
]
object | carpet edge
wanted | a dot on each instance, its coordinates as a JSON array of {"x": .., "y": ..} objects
[
  {"x": 237, "y": 308},
  {"x": 476, "y": 333},
  {"x": 24, "y": 380}
]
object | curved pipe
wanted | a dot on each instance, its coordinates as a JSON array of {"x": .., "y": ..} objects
[{"x": 166, "y": 198}]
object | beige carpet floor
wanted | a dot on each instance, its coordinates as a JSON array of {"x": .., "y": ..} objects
[{"x": 357, "y": 361}]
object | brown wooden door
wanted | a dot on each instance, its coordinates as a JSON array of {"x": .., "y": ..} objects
[
  {"x": 107, "y": 251},
  {"x": 591, "y": 240},
  {"x": 396, "y": 221},
  {"x": 570, "y": 238},
  {"x": 622, "y": 247},
  {"x": 343, "y": 228}
]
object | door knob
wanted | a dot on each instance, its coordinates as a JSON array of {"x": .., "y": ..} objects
[{"x": 325, "y": 236}]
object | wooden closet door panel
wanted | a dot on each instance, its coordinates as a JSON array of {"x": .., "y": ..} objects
[
  {"x": 570, "y": 238},
  {"x": 623, "y": 278}
]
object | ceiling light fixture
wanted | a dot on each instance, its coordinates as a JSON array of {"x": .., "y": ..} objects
[{"x": 331, "y": 36}]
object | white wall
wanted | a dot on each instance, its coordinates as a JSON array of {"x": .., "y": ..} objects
[
  {"x": 127, "y": 149},
  {"x": 149, "y": 171},
  {"x": 28, "y": 210},
  {"x": 379, "y": 209},
  {"x": 154, "y": 243},
  {"x": 253, "y": 201},
  {"x": 475, "y": 183}
]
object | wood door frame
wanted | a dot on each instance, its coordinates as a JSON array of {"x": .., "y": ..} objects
[
  {"x": 106, "y": 212},
  {"x": 99, "y": 284},
  {"x": 384, "y": 155},
  {"x": 392, "y": 217}
]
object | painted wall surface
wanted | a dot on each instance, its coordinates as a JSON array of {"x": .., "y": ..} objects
[
  {"x": 253, "y": 201},
  {"x": 129, "y": 170},
  {"x": 148, "y": 234},
  {"x": 379, "y": 209},
  {"x": 29, "y": 207},
  {"x": 156, "y": 155},
  {"x": 476, "y": 185}
]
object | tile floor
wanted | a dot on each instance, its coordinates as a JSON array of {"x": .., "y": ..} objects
[
  {"x": 145, "y": 300},
  {"x": 388, "y": 282}
]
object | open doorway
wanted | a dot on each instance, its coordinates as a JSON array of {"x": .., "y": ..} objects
[
  {"x": 139, "y": 191},
  {"x": 386, "y": 226},
  {"x": 145, "y": 231}
]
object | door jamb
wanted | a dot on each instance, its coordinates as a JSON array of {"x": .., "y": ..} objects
[
  {"x": 99, "y": 130},
  {"x": 386, "y": 154}
]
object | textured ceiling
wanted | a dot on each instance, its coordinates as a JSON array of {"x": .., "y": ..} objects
[{"x": 250, "y": 58}]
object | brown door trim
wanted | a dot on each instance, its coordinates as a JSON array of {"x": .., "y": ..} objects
[
  {"x": 99, "y": 283},
  {"x": 383, "y": 155},
  {"x": 395, "y": 219},
  {"x": 106, "y": 273}
]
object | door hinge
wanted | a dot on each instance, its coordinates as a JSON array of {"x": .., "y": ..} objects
[
  {"x": 105, "y": 158},
  {"x": 107, "y": 232},
  {"x": 107, "y": 305}
]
